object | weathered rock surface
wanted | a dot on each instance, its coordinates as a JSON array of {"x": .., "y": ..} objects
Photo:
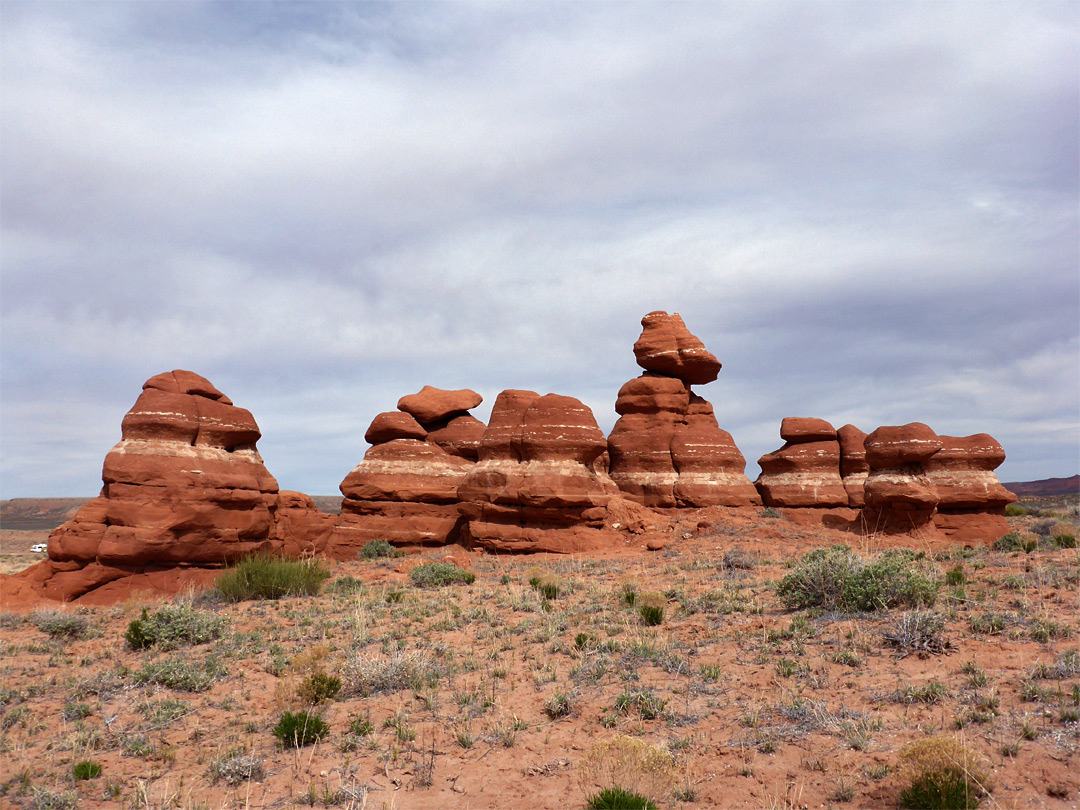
[
  {"x": 805, "y": 472},
  {"x": 667, "y": 347},
  {"x": 432, "y": 404},
  {"x": 900, "y": 498},
  {"x": 971, "y": 500},
  {"x": 853, "y": 465},
  {"x": 184, "y": 492},
  {"x": 534, "y": 488},
  {"x": 405, "y": 489},
  {"x": 184, "y": 485},
  {"x": 667, "y": 450}
]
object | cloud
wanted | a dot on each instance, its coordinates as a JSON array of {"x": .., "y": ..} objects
[{"x": 868, "y": 213}]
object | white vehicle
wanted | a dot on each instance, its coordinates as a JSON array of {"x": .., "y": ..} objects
[{"x": 40, "y": 548}]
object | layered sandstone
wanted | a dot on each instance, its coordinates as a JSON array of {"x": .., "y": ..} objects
[
  {"x": 971, "y": 500},
  {"x": 899, "y": 495},
  {"x": 805, "y": 472},
  {"x": 405, "y": 489},
  {"x": 535, "y": 486},
  {"x": 667, "y": 449},
  {"x": 853, "y": 466},
  {"x": 184, "y": 492}
]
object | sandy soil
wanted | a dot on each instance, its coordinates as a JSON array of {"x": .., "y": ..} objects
[{"x": 761, "y": 707}]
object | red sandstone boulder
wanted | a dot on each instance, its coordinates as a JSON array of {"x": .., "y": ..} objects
[
  {"x": 899, "y": 496},
  {"x": 971, "y": 500},
  {"x": 651, "y": 393},
  {"x": 711, "y": 470},
  {"x": 805, "y": 472},
  {"x": 432, "y": 404},
  {"x": 459, "y": 435},
  {"x": 667, "y": 347},
  {"x": 390, "y": 425},
  {"x": 534, "y": 488},
  {"x": 801, "y": 429},
  {"x": 853, "y": 465},
  {"x": 184, "y": 485}
]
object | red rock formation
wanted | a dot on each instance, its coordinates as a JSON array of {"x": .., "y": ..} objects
[
  {"x": 184, "y": 485},
  {"x": 805, "y": 472},
  {"x": 971, "y": 500},
  {"x": 900, "y": 498},
  {"x": 405, "y": 489},
  {"x": 667, "y": 347},
  {"x": 534, "y": 488},
  {"x": 432, "y": 404},
  {"x": 185, "y": 491},
  {"x": 853, "y": 466},
  {"x": 667, "y": 450}
]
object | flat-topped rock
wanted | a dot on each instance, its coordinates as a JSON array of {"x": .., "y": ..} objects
[
  {"x": 797, "y": 429},
  {"x": 805, "y": 472},
  {"x": 432, "y": 404}
]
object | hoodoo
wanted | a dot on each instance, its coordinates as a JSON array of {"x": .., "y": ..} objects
[
  {"x": 805, "y": 472},
  {"x": 405, "y": 489},
  {"x": 667, "y": 449},
  {"x": 536, "y": 486}
]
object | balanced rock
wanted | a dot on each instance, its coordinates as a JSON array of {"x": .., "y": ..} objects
[
  {"x": 390, "y": 425},
  {"x": 899, "y": 495},
  {"x": 971, "y": 500},
  {"x": 667, "y": 347},
  {"x": 853, "y": 466},
  {"x": 432, "y": 404},
  {"x": 805, "y": 472},
  {"x": 535, "y": 487}
]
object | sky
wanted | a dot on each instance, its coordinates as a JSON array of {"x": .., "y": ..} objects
[{"x": 869, "y": 212}]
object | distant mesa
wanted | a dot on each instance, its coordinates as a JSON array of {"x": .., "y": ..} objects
[{"x": 186, "y": 492}]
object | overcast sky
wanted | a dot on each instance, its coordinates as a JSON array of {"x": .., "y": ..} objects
[{"x": 867, "y": 211}]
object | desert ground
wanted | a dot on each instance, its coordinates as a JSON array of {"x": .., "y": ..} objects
[{"x": 495, "y": 694}]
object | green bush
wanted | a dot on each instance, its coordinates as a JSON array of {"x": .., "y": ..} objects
[
  {"x": 86, "y": 769},
  {"x": 1015, "y": 510},
  {"x": 437, "y": 574},
  {"x": 837, "y": 578},
  {"x": 373, "y": 549},
  {"x": 651, "y": 615},
  {"x": 61, "y": 623},
  {"x": 180, "y": 674},
  {"x": 318, "y": 687},
  {"x": 173, "y": 626},
  {"x": 300, "y": 729},
  {"x": 617, "y": 798},
  {"x": 271, "y": 578},
  {"x": 559, "y": 705}
]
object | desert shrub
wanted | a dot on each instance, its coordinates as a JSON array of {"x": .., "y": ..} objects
[
  {"x": 86, "y": 769},
  {"x": 374, "y": 549},
  {"x": 43, "y": 798},
  {"x": 180, "y": 674},
  {"x": 628, "y": 592},
  {"x": 1067, "y": 665},
  {"x": 318, "y": 687},
  {"x": 300, "y": 729},
  {"x": 838, "y": 579},
  {"x": 651, "y": 609},
  {"x": 271, "y": 578},
  {"x": 617, "y": 798},
  {"x": 235, "y": 767},
  {"x": 547, "y": 584},
  {"x": 367, "y": 675},
  {"x": 347, "y": 585},
  {"x": 932, "y": 692},
  {"x": 172, "y": 626},
  {"x": 61, "y": 624},
  {"x": 920, "y": 631},
  {"x": 1063, "y": 540},
  {"x": 437, "y": 574},
  {"x": 647, "y": 704},
  {"x": 626, "y": 768},
  {"x": 941, "y": 774},
  {"x": 1017, "y": 541},
  {"x": 1015, "y": 510},
  {"x": 559, "y": 705}
]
